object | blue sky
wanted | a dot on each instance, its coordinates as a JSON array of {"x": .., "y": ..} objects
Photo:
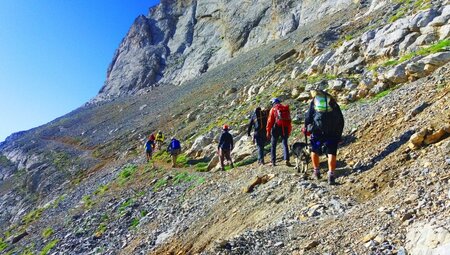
[{"x": 54, "y": 55}]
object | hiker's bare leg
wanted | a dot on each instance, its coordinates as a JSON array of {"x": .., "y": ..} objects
[
  {"x": 315, "y": 160},
  {"x": 331, "y": 162}
]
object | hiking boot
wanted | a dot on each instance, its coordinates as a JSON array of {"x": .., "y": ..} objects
[
  {"x": 273, "y": 164},
  {"x": 317, "y": 174},
  {"x": 288, "y": 163},
  {"x": 331, "y": 178}
]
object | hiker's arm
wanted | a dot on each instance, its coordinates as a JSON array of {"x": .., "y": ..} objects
[
  {"x": 250, "y": 125},
  {"x": 231, "y": 142},
  {"x": 270, "y": 122},
  {"x": 309, "y": 114},
  {"x": 220, "y": 142},
  {"x": 340, "y": 121}
]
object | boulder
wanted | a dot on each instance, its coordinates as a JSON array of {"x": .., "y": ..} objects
[
  {"x": 337, "y": 85},
  {"x": 285, "y": 56},
  {"x": 426, "y": 39},
  {"x": 352, "y": 66},
  {"x": 378, "y": 88},
  {"x": 397, "y": 74},
  {"x": 367, "y": 36},
  {"x": 428, "y": 238},
  {"x": 192, "y": 116},
  {"x": 199, "y": 144},
  {"x": 408, "y": 41},
  {"x": 350, "y": 85},
  {"x": 437, "y": 59},
  {"x": 213, "y": 162},
  {"x": 242, "y": 149},
  {"x": 415, "y": 70},
  {"x": 416, "y": 140},
  {"x": 395, "y": 37},
  {"x": 422, "y": 19},
  {"x": 434, "y": 137},
  {"x": 258, "y": 181},
  {"x": 304, "y": 96},
  {"x": 444, "y": 32},
  {"x": 318, "y": 64},
  {"x": 438, "y": 21}
]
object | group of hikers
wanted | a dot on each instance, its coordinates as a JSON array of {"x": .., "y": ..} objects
[
  {"x": 323, "y": 123},
  {"x": 156, "y": 142}
]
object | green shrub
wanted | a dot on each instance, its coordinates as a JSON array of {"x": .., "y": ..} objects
[
  {"x": 134, "y": 222},
  {"x": 201, "y": 167},
  {"x": 48, "y": 247},
  {"x": 101, "y": 189},
  {"x": 159, "y": 184},
  {"x": 33, "y": 216},
  {"x": 101, "y": 229},
  {"x": 163, "y": 156},
  {"x": 47, "y": 233},
  {"x": 126, "y": 173},
  {"x": 182, "y": 159},
  {"x": 125, "y": 205},
  {"x": 182, "y": 177},
  {"x": 87, "y": 201},
  {"x": 3, "y": 245}
]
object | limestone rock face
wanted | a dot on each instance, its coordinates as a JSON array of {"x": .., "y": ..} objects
[{"x": 180, "y": 40}]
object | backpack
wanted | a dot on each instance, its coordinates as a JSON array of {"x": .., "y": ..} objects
[
  {"x": 282, "y": 115},
  {"x": 324, "y": 121},
  {"x": 261, "y": 121},
  {"x": 148, "y": 145},
  {"x": 175, "y": 145}
]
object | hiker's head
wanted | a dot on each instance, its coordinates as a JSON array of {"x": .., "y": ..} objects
[
  {"x": 258, "y": 109},
  {"x": 225, "y": 127},
  {"x": 172, "y": 138},
  {"x": 274, "y": 101},
  {"x": 159, "y": 132}
]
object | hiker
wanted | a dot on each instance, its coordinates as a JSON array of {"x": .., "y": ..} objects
[
  {"x": 225, "y": 147},
  {"x": 258, "y": 122},
  {"x": 325, "y": 122},
  {"x": 279, "y": 125},
  {"x": 149, "y": 147},
  {"x": 159, "y": 140},
  {"x": 174, "y": 150}
]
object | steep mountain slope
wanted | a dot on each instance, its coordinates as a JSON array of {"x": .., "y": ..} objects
[
  {"x": 80, "y": 185},
  {"x": 179, "y": 40}
]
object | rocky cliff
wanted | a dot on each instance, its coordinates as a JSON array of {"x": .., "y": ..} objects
[{"x": 180, "y": 40}]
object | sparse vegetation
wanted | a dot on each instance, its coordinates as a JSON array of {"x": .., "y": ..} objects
[
  {"x": 48, "y": 247},
  {"x": 87, "y": 201},
  {"x": 126, "y": 173},
  {"x": 159, "y": 184},
  {"x": 4, "y": 161},
  {"x": 100, "y": 229},
  {"x": 134, "y": 222},
  {"x": 182, "y": 159},
  {"x": 101, "y": 189},
  {"x": 182, "y": 177},
  {"x": 47, "y": 233},
  {"x": 33, "y": 216},
  {"x": 201, "y": 167},
  {"x": 3, "y": 245},
  {"x": 122, "y": 208}
]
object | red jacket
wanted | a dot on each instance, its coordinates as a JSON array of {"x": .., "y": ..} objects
[{"x": 271, "y": 122}]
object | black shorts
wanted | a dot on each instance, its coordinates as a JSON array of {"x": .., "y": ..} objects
[{"x": 321, "y": 145}]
